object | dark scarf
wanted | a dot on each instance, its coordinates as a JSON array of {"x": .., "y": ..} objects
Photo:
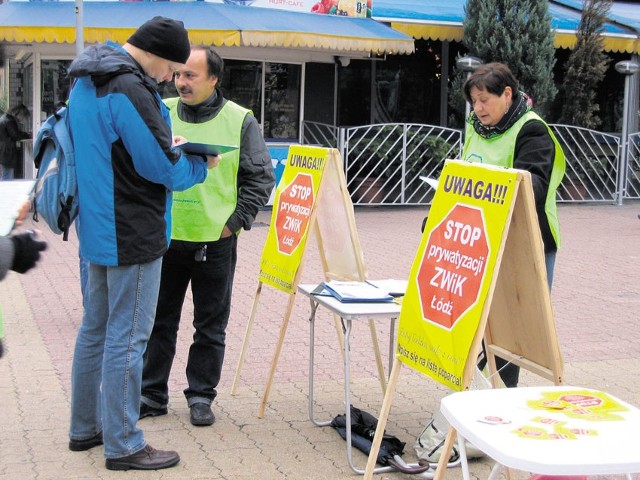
[
  {"x": 521, "y": 104},
  {"x": 203, "y": 112}
]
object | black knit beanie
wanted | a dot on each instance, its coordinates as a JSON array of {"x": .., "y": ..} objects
[{"x": 164, "y": 37}]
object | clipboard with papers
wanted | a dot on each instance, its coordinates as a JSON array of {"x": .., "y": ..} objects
[
  {"x": 13, "y": 195},
  {"x": 353, "y": 292},
  {"x": 194, "y": 148}
]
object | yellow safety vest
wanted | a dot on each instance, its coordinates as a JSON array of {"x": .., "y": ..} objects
[
  {"x": 500, "y": 151},
  {"x": 200, "y": 213}
]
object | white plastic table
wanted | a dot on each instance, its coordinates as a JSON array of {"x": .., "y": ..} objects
[
  {"x": 490, "y": 418},
  {"x": 348, "y": 312}
]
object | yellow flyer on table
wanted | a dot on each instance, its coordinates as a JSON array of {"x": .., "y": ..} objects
[
  {"x": 584, "y": 404},
  {"x": 292, "y": 208},
  {"x": 453, "y": 269}
]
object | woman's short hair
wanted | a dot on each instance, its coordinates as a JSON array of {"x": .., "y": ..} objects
[{"x": 493, "y": 77}]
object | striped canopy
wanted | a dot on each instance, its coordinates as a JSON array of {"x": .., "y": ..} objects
[
  {"x": 442, "y": 20},
  {"x": 208, "y": 23}
]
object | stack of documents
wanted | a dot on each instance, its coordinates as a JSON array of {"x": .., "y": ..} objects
[
  {"x": 353, "y": 292},
  {"x": 13, "y": 195},
  {"x": 395, "y": 288}
]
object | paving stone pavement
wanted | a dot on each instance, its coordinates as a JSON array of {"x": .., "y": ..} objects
[{"x": 596, "y": 298}]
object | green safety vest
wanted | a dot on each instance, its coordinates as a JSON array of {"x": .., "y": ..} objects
[
  {"x": 200, "y": 213},
  {"x": 500, "y": 150}
]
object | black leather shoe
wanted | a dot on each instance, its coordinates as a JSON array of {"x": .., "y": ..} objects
[
  {"x": 86, "y": 444},
  {"x": 201, "y": 415},
  {"x": 149, "y": 411},
  {"x": 146, "y": 459}
]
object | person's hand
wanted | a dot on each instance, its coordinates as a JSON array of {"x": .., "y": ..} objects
[
  {"x": 226, "y": 232},
  {"x": 177, "y": 140},
  {"x": 26, "y": 251},
  {"x": 22, "y": 213},
  {"x": 213, "y": 160}
]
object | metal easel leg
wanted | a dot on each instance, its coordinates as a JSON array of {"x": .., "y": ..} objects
[
  {"x": 347, "y": 402},
  {"x": 312, "y": 323}
]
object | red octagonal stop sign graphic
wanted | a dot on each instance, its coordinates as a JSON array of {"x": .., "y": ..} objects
[
  {"x": 294, "y": 211},
  {"x": 582, "y": 400},
  {"x": 453, "y": 266}
]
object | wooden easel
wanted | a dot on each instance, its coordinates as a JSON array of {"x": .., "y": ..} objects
[
  {"x": 333, "y": 219},
  {"x": 516, "y": 319},
  {"x": 339, "y": 244}
]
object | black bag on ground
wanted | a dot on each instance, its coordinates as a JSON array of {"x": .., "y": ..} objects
[{"x": 363, "y": 429}]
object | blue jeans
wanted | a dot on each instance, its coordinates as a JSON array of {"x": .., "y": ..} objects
[
  {"x": 550, "y": 263},
  {"x": 120, "y": 306},
  {"x": 83, "y": 264},
  {"x": 211, "y": 285}
]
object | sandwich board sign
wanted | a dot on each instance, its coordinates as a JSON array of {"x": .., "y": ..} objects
[
  {"x": 293, "y": 213},
  {"x": 479, "y": 273},
  {"x": 453, "y": 271},
  {"x": 311, "y": 195}
]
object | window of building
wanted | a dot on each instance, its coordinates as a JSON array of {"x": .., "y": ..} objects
[
  {"x": 319, "y": 92},
  {"x": 272, "y": 96},
  {"x": 281, "y": 120},
  {"x": 55, "y": 85},
  {"x": 242, "y": 83},
  {"x": 355, "y": 94}
]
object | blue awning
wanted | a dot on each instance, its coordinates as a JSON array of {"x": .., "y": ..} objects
[
  {"x": 208, "y": 23},
  {"x": 621, "y": 13},
  {"x": 442, "y": 20}
]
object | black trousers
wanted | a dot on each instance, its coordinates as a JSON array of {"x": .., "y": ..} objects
[{"x": 211, "y": 286}]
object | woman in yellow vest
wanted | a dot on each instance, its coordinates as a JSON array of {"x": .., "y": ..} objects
[{"x": 503, "y": 130}]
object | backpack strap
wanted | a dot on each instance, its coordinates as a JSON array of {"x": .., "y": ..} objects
[
  {"x": 63, "y": 134},
  {"x": 62, "y": 131}
]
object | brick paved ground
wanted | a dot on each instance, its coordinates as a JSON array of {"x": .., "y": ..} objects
[{"x": 596, "y": 299}]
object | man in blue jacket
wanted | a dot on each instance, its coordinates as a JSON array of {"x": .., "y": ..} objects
[{"x": 126, "y": 169}]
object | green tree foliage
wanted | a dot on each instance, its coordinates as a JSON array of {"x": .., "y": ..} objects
[
  {"x": 585, "y": 68},
  {"x": 517, "y": 33},
  {"x": 457, "y": 102}
]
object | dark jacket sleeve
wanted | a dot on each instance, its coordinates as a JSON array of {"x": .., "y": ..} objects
[
  {"x": 10, "y": 133},
  {"x": 256, "y": 176},
  {"x": 142, "y": 123},
  {"x": 14, "y": 131},
  {"x": 535, "y": 153}
]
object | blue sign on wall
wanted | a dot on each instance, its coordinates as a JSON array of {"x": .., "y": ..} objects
[{"x": 279, "y": 154}]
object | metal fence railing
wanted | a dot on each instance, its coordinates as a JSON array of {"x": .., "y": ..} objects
[
  {"x": 314, "y": 133},
  {"x": 384, "y": 162},
  {"x": 592, "y": 164},
  {"x": 632, "y": 177}
]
